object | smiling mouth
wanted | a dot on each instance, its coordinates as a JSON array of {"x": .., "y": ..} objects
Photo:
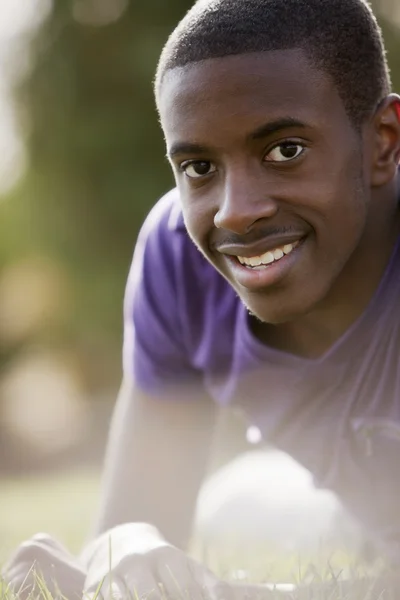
[{"x": 268, "y": 258}]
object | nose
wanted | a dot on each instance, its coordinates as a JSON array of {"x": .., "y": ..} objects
[{"x": 244, "y": 201}]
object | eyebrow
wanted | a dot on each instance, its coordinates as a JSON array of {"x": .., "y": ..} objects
[
  {"x": 260, "y": 133},
  {"x": 187, "y": 148},
  {"x": 276, "y": 127}
]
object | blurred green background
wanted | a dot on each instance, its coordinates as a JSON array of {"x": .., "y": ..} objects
[{"x": 81, "y": 163}]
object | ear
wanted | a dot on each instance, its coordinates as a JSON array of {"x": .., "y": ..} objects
[{"x": 386, "y": 141}]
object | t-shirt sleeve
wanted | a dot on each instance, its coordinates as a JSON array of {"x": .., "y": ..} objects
[{"x": 154, "y": 353}]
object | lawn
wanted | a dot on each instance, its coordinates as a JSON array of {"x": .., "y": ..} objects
[
  {"x": 61, "y": 504},
  {"x": 64, "y": 505}
]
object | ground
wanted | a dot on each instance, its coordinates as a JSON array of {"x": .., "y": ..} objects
[
  {"x": 61, "y": 505},
  {"x": 64, "y": 506}
]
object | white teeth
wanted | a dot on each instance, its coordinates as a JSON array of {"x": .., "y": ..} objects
[
  {"x": 268, "y": 257},
  {"x": 278, "y": 254},
  {"x": 255, "y": 261}
]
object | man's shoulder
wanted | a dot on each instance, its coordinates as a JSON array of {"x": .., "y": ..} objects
[
  {"x": 176, "y": 301},
  {"x": 165, "y": 219},
  {"x": 168, "y": 262},
  {"x": 164, "y": 243},
  {"x": 179, "y": 311}
]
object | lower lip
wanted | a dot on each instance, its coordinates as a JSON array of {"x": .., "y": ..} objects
[{"x": 256, "y": 279}]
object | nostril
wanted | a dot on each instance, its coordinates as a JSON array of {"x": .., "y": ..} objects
[
  {"x": 239, "y": 214},
  {"x": 234, "y": 221}
]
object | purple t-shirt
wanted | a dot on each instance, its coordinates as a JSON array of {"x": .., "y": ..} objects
[{"x": 338, "y": 415}]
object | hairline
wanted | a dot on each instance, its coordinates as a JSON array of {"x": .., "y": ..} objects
[{"x": 319, "y": 64}]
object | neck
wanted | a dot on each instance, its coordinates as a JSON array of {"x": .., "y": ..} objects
[{"x": 312, "y": 335}]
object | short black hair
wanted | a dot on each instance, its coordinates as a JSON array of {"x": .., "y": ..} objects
[{"x": 341, "y": 37}]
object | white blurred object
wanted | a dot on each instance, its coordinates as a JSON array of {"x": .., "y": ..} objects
[
  {"x": 253, "y": 435},
  {"x": 18, "y": 18},
  {"x": 33, "y": 293},
  {"x": 43, "y": 402},
  {"x": 12, "y": 152},
  {"x": 266, "y": 496}
]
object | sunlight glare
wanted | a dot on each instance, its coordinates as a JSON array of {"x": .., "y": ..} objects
[{"x": 17, "y": 19}]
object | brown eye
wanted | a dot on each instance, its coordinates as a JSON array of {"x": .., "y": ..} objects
[
  {"x": 198, "y": 168},
  {"x": 285, "y": 152}
]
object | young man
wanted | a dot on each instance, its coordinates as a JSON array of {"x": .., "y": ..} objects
[{"x": 268, "y": 280}]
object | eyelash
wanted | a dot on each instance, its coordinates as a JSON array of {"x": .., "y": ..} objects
[
  {"x": 187, "y": 163},
  {"x": 287, "y": 143}
]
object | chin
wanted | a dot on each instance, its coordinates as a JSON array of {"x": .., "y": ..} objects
[
  {"x": 286, "y": 305},
  {"x": 270, "y": 317},
  {"x": 275, "y": 313}
]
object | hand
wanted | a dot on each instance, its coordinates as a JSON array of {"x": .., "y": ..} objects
[
  {"x": 134, "y": 561},
  {"x": 44, "y": 557}
]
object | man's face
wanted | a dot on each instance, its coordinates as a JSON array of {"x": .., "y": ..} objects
[{"x": 270, "y": 174}]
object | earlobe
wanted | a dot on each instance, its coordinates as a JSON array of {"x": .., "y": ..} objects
[{"x": 386, "y": 140}]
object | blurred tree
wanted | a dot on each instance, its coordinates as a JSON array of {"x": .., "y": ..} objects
[
  {"x": 95, "y": 151},
  {"x": 388, "y": 13}
]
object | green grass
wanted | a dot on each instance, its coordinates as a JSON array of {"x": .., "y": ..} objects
[
  {"x": 318, "y": 590},
  {"x": 62, "y": 505}
]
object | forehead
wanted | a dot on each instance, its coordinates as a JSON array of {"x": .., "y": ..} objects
[{"x": 243, "y": 91}]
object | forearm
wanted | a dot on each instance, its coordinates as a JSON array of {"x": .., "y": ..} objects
[
  {"x": 157, "y": 456},
  {"x": 174, "y": 527},
  {"x": 152, "y": 494}
]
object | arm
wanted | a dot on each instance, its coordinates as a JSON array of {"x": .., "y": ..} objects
[{"x": 157, "y": 456}]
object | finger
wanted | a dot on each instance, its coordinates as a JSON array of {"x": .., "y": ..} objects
[
  {"x": 59, "y": 582},
  {"x": 47, "y": 540},
  {"x": 211, "y": 585},
  {"x": 56, "y": 548},
  {"x": 39, "y": 546},
  {"x": 181, "y": 578},
  {"x": 34, "y": 551},
  {"x": 21, "y": 581},
  {"x": 36, "y": 565},
  {"x": 111, "y": 588},
  {"x": 23, "y": 563},
  {"x": 139, "y": 582},
  {"x": 176, "y": 582},
  {"x": 129, "y": 579}
]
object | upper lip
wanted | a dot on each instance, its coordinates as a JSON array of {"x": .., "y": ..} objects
[{"x": 260, "y": 247}]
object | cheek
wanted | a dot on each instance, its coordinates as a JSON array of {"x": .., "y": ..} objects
[
  {"x": 340, "y": 196},
  {"x": 350, "y": 205},
  {"x": 199, "y": 219}
]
